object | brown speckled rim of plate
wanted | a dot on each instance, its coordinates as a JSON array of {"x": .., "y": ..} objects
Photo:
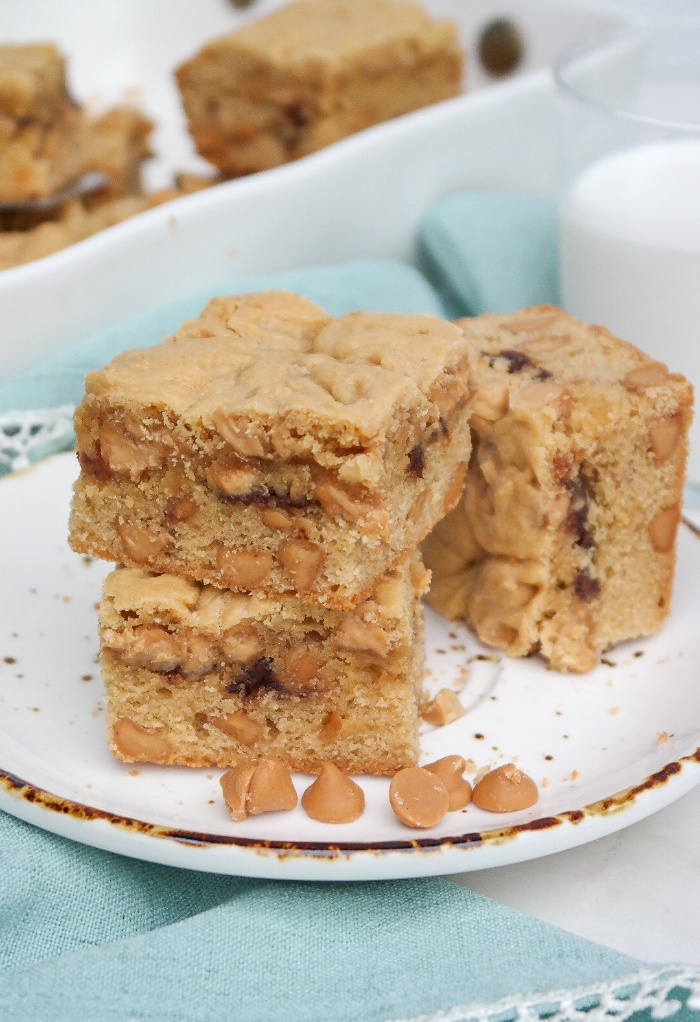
[{"x": 604, "y": 807}]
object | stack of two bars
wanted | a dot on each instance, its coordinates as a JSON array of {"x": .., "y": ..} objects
[{"x": 263, "y": 478}]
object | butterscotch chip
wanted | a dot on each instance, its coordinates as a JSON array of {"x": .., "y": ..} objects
[
  {"x": 505, "y": 790},
  {"x": 491, "y": 400},
  {"x": 243, "y": 569},
  {"x": 139, "y": 545},
  {"x": 540, "y": 395},
  {"x": 333, "y": 797},
  {"x": 651, "y": 374},
  {"x": 258, "y": 786},
  {"x": 663, "y": 527},
  {"x": 418, "y": 797},
  {"x": 270, "y": 788},
  {"x": 302, "y": 561},
  {"x": 241, "y": 727},
  {"x": 354, "y": 633},
  {"x": 234, "y": 785},
  {"x": 338, "y": 503},
  {"x": 664, "y": 435},
  {"x": 181, "y": 509},
  {"x": 277, "y": 520},
  {"x": 301, "y": 664},
  {"x": 455, "y": 487},
  {"x": 444, "y": 708},
  {"x": 332, "y": 727},
  {"x": 124, "y": 455},
  {"x": 134, "y": 743},
  {"x": 450, "y": 770}
]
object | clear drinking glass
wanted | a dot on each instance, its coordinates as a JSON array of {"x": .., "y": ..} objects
[{"x": 629, "y": 214}]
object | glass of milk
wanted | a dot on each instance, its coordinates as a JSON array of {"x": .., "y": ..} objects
[{"x": 629, "y": 221}]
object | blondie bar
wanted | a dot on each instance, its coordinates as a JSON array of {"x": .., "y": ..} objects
[
  {"x": 311, "y": 73},
  {"x": 198, "y": 676},
  {"x": 42, "y": 131},
  {"x": 269, "y": 448},
  {"x": 563, "y": 541}
]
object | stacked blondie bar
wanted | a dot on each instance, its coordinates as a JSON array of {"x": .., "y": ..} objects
[{"x": 264, "y": 478}]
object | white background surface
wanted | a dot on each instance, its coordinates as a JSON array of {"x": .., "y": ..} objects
[{"x": 637, "y": 891}]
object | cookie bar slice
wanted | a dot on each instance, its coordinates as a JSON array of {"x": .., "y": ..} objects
[
  {"x": 269, "y": 448},
  {"x": 311, "y": 73},
  {"x": 42, "y": 131},
  {"x": 199, "y": 676},
  {"x": 563, "y": 541}
]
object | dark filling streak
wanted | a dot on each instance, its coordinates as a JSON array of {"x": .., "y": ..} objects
[
  {"x": 416, "y": 461},
  {"x": 518, "y": 360},
  {"x": 261, "y": 496},
  {"x": 577, "y": 515},
  {"x": 94, "y": 465},
  {"x": 416, "y": 456},
  {"x": 296, "y": 119},
  {"x": 260, "y": 676},
  {"x": 585, "y": 587}
]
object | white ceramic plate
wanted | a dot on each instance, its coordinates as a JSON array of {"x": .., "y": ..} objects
[{"x": 606, "y": 749}]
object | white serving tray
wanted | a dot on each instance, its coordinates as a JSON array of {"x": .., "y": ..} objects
[{"x": 360, "y": 198}]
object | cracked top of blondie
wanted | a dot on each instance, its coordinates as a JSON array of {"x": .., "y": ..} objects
[{"x": 255, "y": 366}]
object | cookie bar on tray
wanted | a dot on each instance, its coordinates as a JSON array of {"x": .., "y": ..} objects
[
  {"x": 42, "y": 131},
  {"x": 563, "y": 541},
  {"x": 199, "y": 676},
  {"x": 269, "y": 448},
  {"x": 311, "y": 73}
]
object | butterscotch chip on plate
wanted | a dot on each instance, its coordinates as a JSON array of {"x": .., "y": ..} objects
[
  {"x": 198, "y": 676},
  {"x": 258, "y": 786},
  {"x": 311, "y": 73},
  {"x": 505, "y": 790},
  {"x": 563, "y": 541},
  {"x": 333, "y": 797},
  {"x": 269, "y": 448}
]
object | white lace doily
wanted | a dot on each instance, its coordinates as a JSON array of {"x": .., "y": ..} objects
[
  {"x": 648, "y": 989},
  {"x": 23, "y": 434}
]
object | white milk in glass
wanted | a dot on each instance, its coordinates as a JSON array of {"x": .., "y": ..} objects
[{"x": 630, "y": 254}]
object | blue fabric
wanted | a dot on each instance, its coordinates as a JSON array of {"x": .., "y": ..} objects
[
  {"x": 88, "y": 936},
  {"x": 491, "y": 251}
]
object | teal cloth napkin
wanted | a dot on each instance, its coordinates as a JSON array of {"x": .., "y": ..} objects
[
  {"x": 86, "y": 936},
  {"x": 89, "y": 936},
  {"x": 491, "y": 251}
]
